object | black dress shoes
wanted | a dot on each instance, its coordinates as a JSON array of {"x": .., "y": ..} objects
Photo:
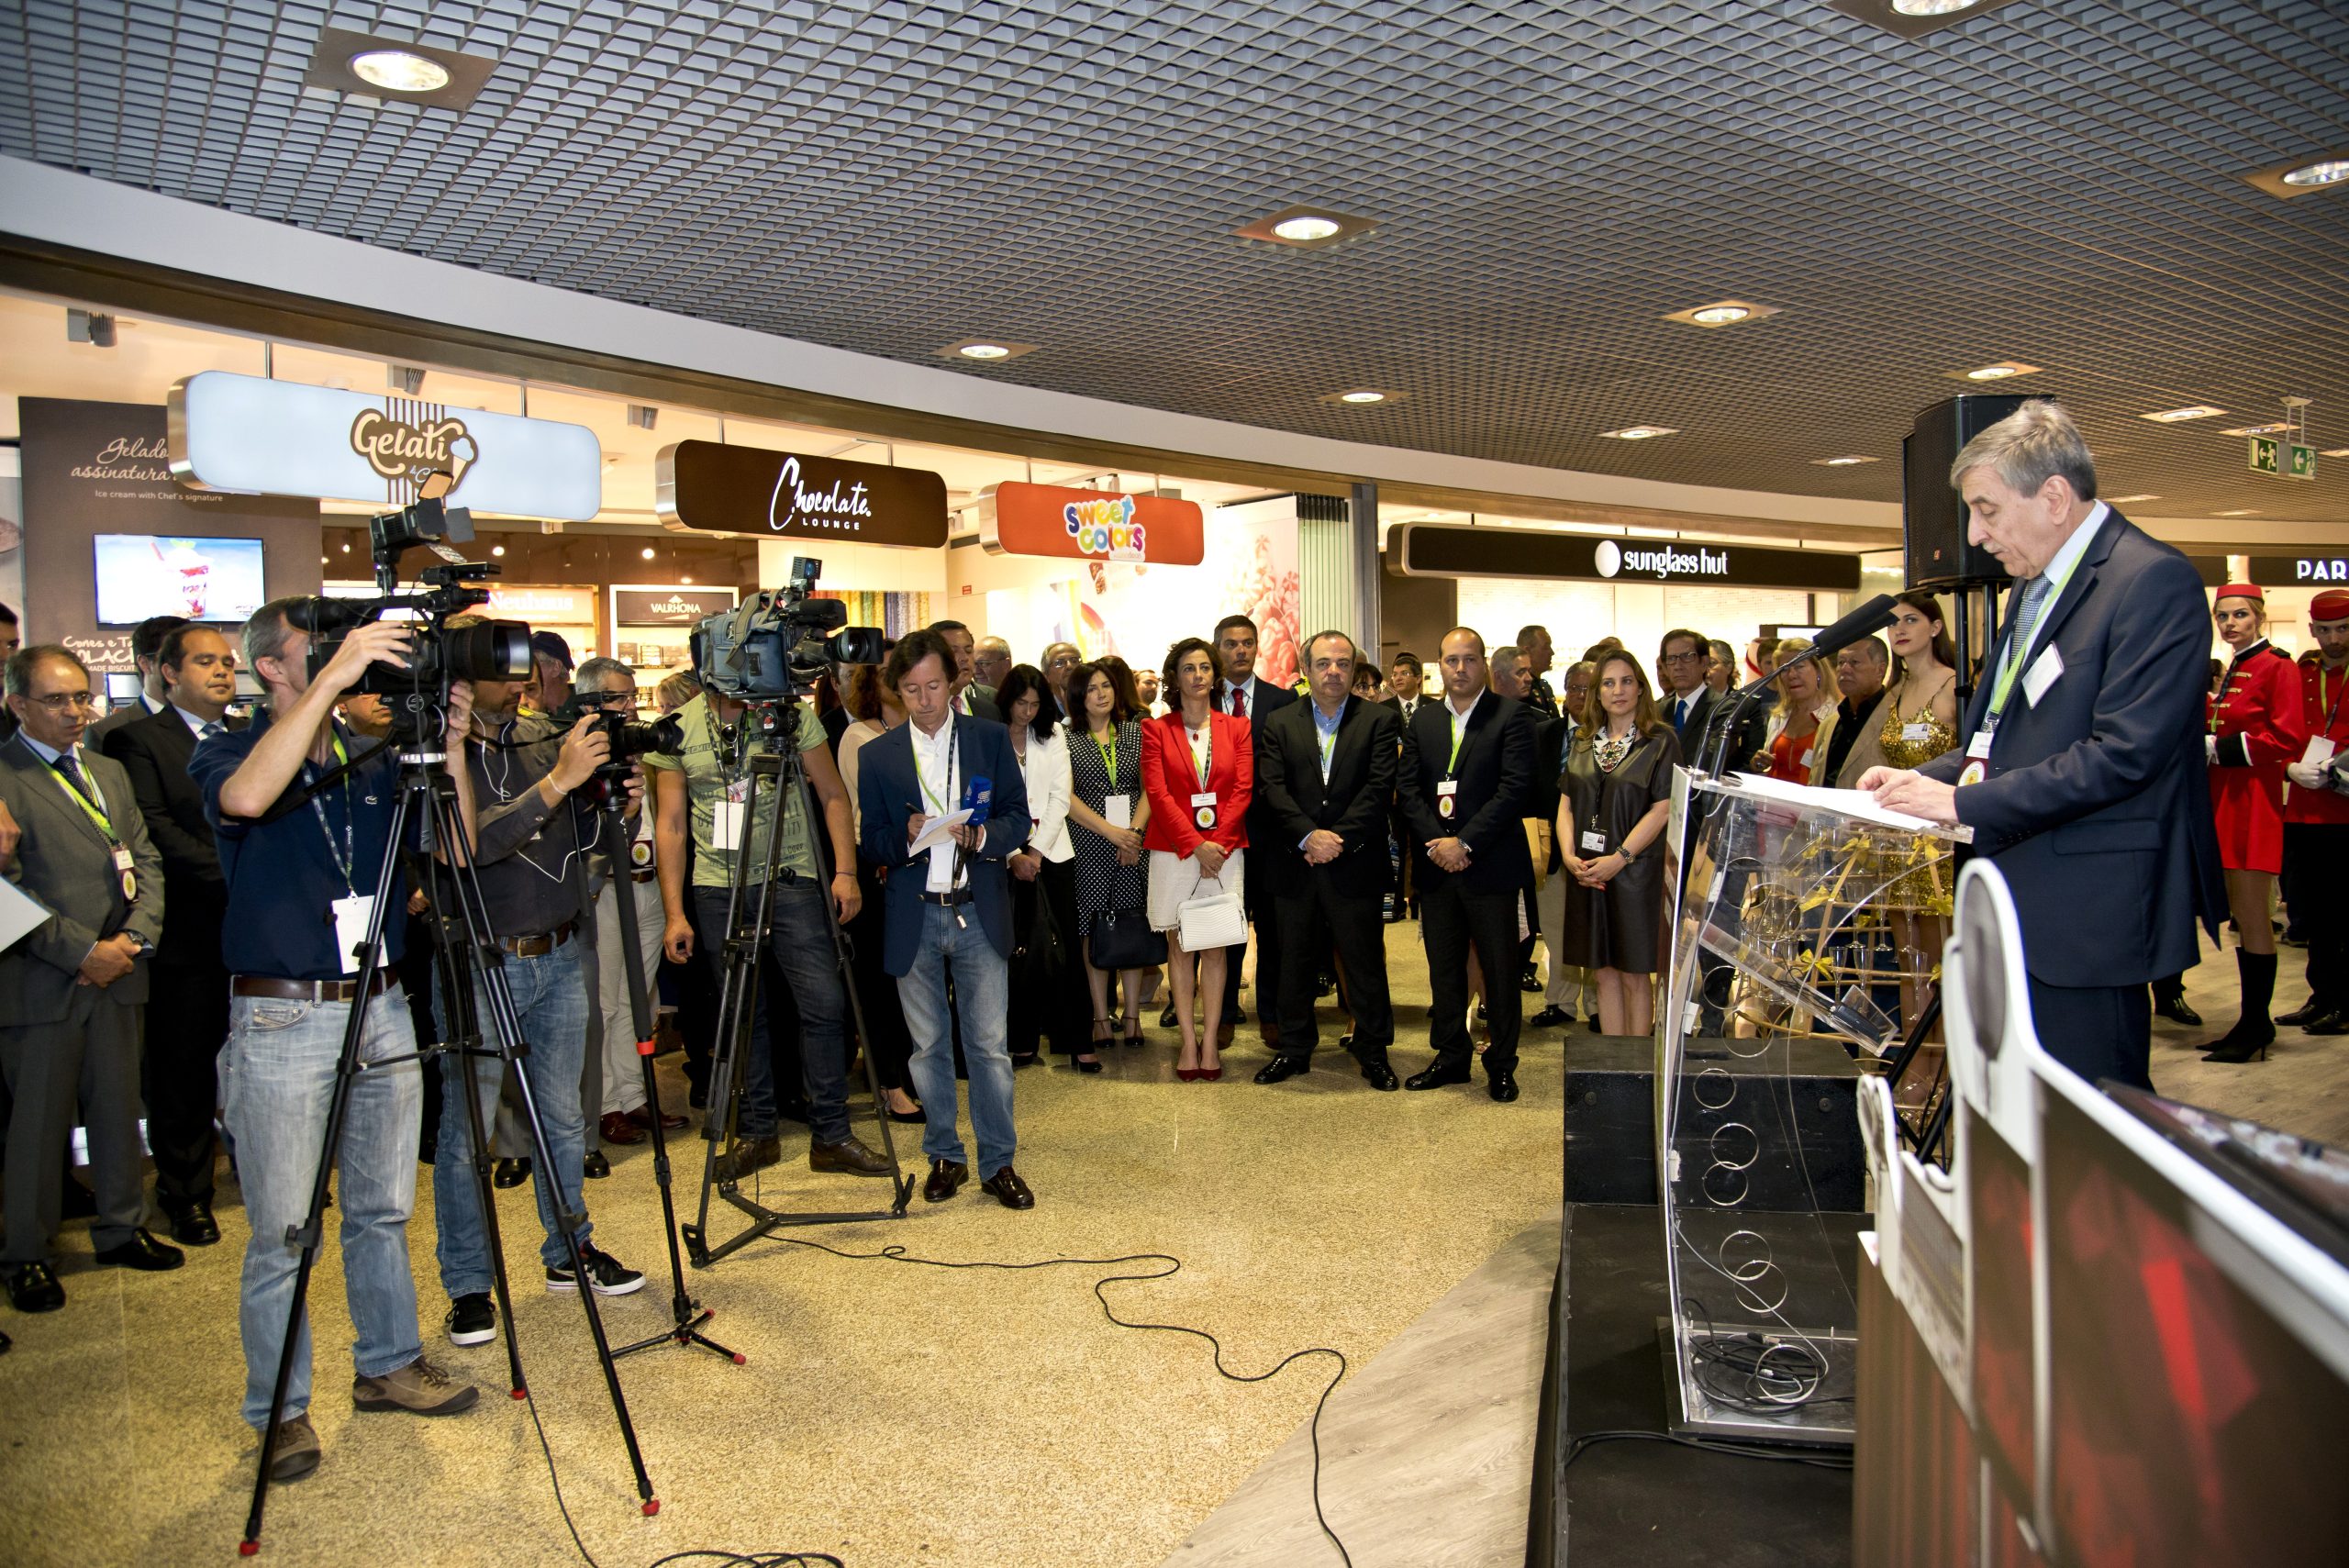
[
  {"x": 1280, "y": 1069},
  {"x": 1381, "y": 1076},
  {"x": 1529, "y": 979},
  {"x": 194, "y": 1225},
  {"x": 78, "y": 1202},
  {"x": 1502, "y": 1086},
  {"x": 510, "y": 1174},
  {"x": 2175, "y": 1009},
  {"x": 142, "y": 1251},
  {"x": 2328, "y": 1023},
  {"x": 946, "y": 1179},
  {"x": 1437, "y": 1074},
  {"x": 594, "y": 1166},
  {"x": 1550, "y": 1017},
  {"x": 2302, "y": 1014},
  {"x": 31, "y": 1287},
  {"x": 1008, "y": 1189}
]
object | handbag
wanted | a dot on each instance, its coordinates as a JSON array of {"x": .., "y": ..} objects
[
  {"x": 1215, "y": 921},
  {"x": 1043, "y": 958},
  {"x": 1123, "y": 940}
]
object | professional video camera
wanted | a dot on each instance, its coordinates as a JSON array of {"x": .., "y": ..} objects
[
  {"x": 768, "y": 646},
  {"x": 491, "y": 650}
]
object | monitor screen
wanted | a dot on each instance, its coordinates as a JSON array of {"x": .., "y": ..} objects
[{"x": 141, "y": 575}]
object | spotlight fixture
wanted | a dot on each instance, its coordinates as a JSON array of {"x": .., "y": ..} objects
[
  {"x": 2125, "y": 500},
  {"x": 1365, "y": 397},
  {"x": 405, "y": 380},
  {"x": 497, "y": 549},
  {"x": 2005, "y": 370},
  {"x": 642, "y": 416},
  {"x": 90, "y": 326},
  {"x": 2175, "y": 416},
  {"x": 2304, "y": 176},
  {"x": 2270, "y": 429},
  {"x": 1914, "y": 18},
  {"x": 1841, "y": 461},
  {"x": 647, "y": 553},
  {"x": 1306, "y": 228},
  {"x": 1361, "y": 397},
  {"x": 985, "y": 351},
  {"x": 398, "y": 71},
  {"x": 688, "y": 581},
  {"x": 1639, "y": 432},
  {"x": 1722, "y": 313}
]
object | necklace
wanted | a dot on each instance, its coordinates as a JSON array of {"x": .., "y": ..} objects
[{"x": 1611, "y": 750}]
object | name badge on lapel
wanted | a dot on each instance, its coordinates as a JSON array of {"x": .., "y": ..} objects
[
  {"x": 2041, "y": 674},
  {"x": 1444, "y": 790},
  {"x": 1977, "y": 755},
  {"x": 1203, "y": 812},
  {"x": 129, "y": 878}
]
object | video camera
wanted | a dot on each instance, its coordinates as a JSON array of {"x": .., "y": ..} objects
[
  {"x": 769, "y": 646},
  {"x": 491, "y": 650},
  {"x": 629, "y": 739}
]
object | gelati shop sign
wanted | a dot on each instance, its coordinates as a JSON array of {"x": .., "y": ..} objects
[
  {"x": 711, "y": 487},
  {"x": 252, "y": 436},
  {"x": 1091, "y": 525}
]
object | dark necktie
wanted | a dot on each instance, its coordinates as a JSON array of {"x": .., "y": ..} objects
[
  {"x": 1239, "y": 702},
  {"x": 73, "y": 771},
  {"x": 211, "y": 727}
]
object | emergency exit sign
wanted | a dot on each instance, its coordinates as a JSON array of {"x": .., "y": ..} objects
[{"x": 2286, "y": 459}]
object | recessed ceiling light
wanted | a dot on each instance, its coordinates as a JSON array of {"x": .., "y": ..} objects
[
  {"x": 2335, "y": 451},
  {"x": 2305, "y": 175},
  {"x": 1361, "y": 397},
  {"x": 2245, "y": 512},
  {"x": 1722, "y": 313},
  {"x": 2125, "y": 500},
  {"x": 398, "y": 71},
  {"x": 1841, "y": 461},
  {"x": 2002, "y": 370},
  {"x": 1365, "y": 397},
  {"x": 1639, "y": 432},
  {"x": 1932, "y": 7},
  {"x": 647, "y": 553},
  {"x": 2267, "y": 430},
  {"x": 686, "y": 580},
  {"x": 2191, "y": 411},
  {"x": 985, "y": 351},
  {"x": 1304, "y": 228},
  {"x": 1914, "y": 18},
  {"x": 497, "y": 549},
  {"x": 2324, "y": 172}
]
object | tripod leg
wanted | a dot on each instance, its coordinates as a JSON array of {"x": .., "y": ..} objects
[{"x": 460, "y": 1035}]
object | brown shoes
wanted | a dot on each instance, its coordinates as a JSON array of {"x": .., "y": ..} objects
[
  {"x": 619, "y": 1127},
  {"x": 946, "y": 1178},
  {"x": 750, "y": 1154},
  {"x": 643, "y": 1117},
  {"x": 296, "y": 1454},
  {"x": 1008, "y": 1189},
  {"x": 848, "y": 1155},
  {"x": 421, "y": 1388}
]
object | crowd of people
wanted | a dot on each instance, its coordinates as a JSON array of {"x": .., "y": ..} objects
[{"x": 204, "y": 877}]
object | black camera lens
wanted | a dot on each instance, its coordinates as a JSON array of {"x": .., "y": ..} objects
[
  {"x": 492, "y": 650},
  {"x": 665, "y": 736}
]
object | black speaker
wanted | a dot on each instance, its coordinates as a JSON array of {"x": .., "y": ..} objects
[{"x": 1932, "y": 517}]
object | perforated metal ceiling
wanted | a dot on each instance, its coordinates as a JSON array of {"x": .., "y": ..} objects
[{"x": 2054, "y": 183}]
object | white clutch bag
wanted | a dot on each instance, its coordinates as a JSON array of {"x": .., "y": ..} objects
[{"x": 1217, "y": 921}]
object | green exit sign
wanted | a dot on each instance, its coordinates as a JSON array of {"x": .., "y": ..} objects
[{"x": 2286, "y": 459}]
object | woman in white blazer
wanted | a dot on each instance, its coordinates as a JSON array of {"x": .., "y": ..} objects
[{"x": 1044, "y": 1005}]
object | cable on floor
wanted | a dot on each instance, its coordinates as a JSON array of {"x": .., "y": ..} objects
[{"x": 1816, "y": 1460}]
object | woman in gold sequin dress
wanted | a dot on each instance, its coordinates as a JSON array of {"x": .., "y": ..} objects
[{"x": 1919, "y": 724}]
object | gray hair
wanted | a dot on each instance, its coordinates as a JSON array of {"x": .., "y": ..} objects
[
  {"x": 2035, "y": 443},
  {"x": 1506, "y": 654},
  {"x": 18, "y": 682},
  {"x": 594, "y": 674}
]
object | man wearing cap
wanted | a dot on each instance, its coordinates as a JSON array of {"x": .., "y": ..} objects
[
  {"x": 2316, "y": 821},
  {"x": 549, "y": 685}
]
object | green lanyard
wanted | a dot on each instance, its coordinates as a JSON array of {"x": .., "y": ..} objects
[
  {"x": 2011, "y": 666},
  {"x": 1202, "y": 757},
  {"x": 937, "y": 802},
  {"x": 1108, "y": 750},
  {"x": 88, "y": 807},
  {"x": 1459, "y": 734}
]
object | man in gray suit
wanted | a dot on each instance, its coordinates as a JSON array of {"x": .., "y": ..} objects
[{"x": 71, "y": 989}]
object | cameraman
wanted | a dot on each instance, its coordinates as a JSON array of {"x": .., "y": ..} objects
[
  {"x": 530, "y": 859},
  {"x": 294, "y": 910},
  {"x": 714, "y": 763}
]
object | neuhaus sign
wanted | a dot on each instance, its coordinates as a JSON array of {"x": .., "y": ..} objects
[
  {"x": 1437, "y": 550},
  {"x": 709, "y": 487},
  {"x": 255, "y": 437}
]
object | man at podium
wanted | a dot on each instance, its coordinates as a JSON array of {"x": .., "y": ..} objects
[{"x": 2082, "y": 769}]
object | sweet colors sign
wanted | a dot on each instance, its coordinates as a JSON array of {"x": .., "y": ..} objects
[
  {"x": 251, "y": 436},
  {"x": 710, "y": 487},
  {"x": 1091, "y": 525}
]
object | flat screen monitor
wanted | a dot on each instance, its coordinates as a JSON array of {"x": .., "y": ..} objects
[{"x": 141, "y": 575}]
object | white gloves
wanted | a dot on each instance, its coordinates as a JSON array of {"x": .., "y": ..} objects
[{"x": 2306, "y": 776}]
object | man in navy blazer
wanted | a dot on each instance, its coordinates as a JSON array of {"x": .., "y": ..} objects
[
  {"x": 950, "y": 908},
  {"x": 2082, "y": 774},
  {"x": 1240, "y": 692}
]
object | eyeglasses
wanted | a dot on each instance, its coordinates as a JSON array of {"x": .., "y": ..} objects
[
  {"x": 1682, "y": 658},
  {"x": 58, "y": 701}
]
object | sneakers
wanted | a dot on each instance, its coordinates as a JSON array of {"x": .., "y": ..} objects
[
  {"x": 296, "y": 1454},
  {"x": 421, "y": 1388},
  {"x": 472, "y": 1320},
  {"x": 606, "y": 1275}
]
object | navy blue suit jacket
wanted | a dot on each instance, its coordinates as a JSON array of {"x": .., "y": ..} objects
[
  {"x": 889, "y": 795},
  {"x": 2097, "y": 805}
]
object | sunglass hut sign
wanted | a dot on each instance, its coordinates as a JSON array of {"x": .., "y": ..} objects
[{"x": 1662, "y": 562}]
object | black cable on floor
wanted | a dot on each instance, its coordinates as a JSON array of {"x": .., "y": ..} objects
[
  {"x": 898, "y": 1254},
  {"x": 1580, "y": 1445}
]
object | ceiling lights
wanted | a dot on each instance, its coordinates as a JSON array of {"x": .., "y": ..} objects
[
  {"x": 2335, "y": 451},
  {"x": 2005, "y": 370},
  {"x": 2304, "y": 176},
  {"x": 2242, "y": 512},
  {"x": 1304, "y": 228},
  {"x": 985, "y": 351},
  {"x": 1914, "y": 18},
  {"x": 1932, "y": 7},
  {"x": 1722, "y": 313},
  {"x": 395, "y": 70},
  {"x": 92, "y": 327},
  {"x": 1841, "y": 461},
  {"x": 2324, "y": 172},
  {"x": 1365, "y": 397},
  {"x": 399, "y": 70},
  {"x": 1639, "y": 432},
  {"x": 2125, "y": 500},
  {"x": 2191, "y": 411},
  {"x": 2267, "y": 429}
]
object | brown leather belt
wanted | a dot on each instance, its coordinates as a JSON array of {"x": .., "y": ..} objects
[
  {"x": 276, "y": 990},
  {"x": 648, "y": 874},
  {"x": 538, "y": 944}
]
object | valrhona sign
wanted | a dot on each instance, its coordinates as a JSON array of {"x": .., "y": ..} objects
[
  {"x": 709, "y": 487},
  {"x": 1091, "y": 525},
  {"x": 255, "y": 437}
]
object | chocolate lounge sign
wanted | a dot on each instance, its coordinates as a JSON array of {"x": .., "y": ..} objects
[{"x": 711, "y": 487}]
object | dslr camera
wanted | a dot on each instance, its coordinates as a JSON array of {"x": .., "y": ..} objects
[
  {"x": 630, "y": 739},
  {"x": 768, "y": 647},
  {"x": 418, "y": 697}
]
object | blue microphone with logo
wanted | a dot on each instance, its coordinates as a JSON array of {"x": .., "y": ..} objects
[{"x": 977, "y": 796}]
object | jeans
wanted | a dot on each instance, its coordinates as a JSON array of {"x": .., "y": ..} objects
[
  {"x": 801, "y": 946},
  {"x": 277, "y": 1081},
  {"x": 550, "y": 998},
  {"x": 981, "y": 995},
  {"x": 623, "y": 1069}
]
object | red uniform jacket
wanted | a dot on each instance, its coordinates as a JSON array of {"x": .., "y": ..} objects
[
  {"x": 2323, "y": 712},
  {"x": 2257, "y": 724},
  {"x": 1170, "y": 778}
]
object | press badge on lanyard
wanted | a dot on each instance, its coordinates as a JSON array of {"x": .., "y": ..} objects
[
  {"x": 725, "y": 816},
  {"x": 121, "y": 856},
  {"x": 1203, "y": 758},
  {"x": 352, "y": 915}
]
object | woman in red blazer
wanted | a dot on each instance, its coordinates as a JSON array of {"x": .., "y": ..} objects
[
  {"x": 2256, "y": 727},
  {"x": 1198, "y": 768}
]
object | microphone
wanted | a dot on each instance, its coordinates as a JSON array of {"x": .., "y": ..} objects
[
  {"x": 977, "y": 796},
  {"x": 1873, "y": 615}
]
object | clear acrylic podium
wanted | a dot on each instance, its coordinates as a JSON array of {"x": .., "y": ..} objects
[{"x": 1782, "y": 935}]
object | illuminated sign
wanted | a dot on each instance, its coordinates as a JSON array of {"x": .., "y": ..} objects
[
  {"x": 1091, "y": 525},
  {"x": 710, "y": 487},
  {"x": 1441, "y": 550}
]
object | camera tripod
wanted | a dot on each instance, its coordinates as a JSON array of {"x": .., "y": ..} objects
[
  {"x": 455, "y": 886},
  {"x": 686, "y": 1315},
  {"x": 749, "y": 923}
]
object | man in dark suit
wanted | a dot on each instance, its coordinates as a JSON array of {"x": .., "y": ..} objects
[
  {"x": 1404, "y": 680},
  {"x": 70, "y": 989},
  {"x": 1243, "y": 694},
  {"x": 970, "y": 698},
  {"x": 948, "y": 909},
  {"x": 1464, "y": 776},
  {"x": 146, "y": 653},
  {"x": 1325, "y": 776},
  {"x": 187, "y": 1013},
  {"x": 2082, "y": 775}
]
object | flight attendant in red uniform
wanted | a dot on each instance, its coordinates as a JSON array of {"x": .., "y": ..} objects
[
  {"x": 2255, "y": 727},
  {"x": 2316, "y": 820}
]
